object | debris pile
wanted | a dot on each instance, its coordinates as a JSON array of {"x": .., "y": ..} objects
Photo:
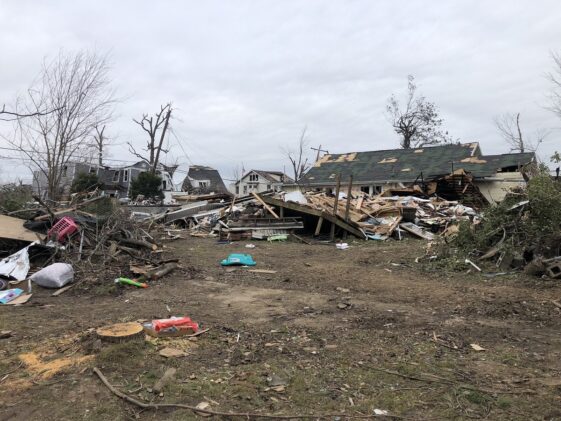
[
  {"x": 379, "y": 217},
  {"x": 66, "y": 245},
  {"x": 522, "y": 232}
]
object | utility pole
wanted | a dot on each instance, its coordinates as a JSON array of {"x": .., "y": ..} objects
[{"x": 318, "y": 149}]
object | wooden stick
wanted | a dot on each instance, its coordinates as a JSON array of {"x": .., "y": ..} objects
[
  {"x": 318, "y": 226},
  {"x": 348, "y": 206},
  {"x": 271, "y": 211},
  {"x": 335, "y": 204},
  {"x": 225, "y": 414}
]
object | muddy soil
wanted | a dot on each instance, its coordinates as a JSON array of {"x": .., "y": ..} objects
[{"x": 332, "y": 331}]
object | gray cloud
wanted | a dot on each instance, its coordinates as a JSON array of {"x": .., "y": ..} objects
[{"x": 247, "y": 76}]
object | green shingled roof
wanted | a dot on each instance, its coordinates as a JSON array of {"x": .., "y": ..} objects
[{"x": 406, "y": 165}]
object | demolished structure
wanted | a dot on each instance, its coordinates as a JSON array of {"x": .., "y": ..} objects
[{"x": 453, "y": 171}]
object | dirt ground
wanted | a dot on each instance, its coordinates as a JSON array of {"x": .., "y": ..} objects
[{"x": 331, "y": 332}]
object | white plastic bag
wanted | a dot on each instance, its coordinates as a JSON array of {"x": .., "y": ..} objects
[{"x": 56, "y": 275}]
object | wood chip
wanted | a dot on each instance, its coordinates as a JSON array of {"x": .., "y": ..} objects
[
  {"x": 476, "y": 347},
  {"x": 172, "y": 353},
  {"x": 205, "y": 406}
]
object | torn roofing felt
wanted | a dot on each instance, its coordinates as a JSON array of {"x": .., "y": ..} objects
[{"x": 406, "y": 165}]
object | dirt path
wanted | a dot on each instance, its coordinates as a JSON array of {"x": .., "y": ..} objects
[{"x": 326, "y": 324}]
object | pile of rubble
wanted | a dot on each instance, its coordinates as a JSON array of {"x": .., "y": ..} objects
[
  {"x": 380, "y": 217},
  {"x": 94, "y": 235},
  {"x": 367, "y": 217}
]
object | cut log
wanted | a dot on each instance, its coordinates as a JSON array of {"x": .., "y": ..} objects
[
  {"x": 161, "y": 271},
  {"x": 121, "y": 332}
]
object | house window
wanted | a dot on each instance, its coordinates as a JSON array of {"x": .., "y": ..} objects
[
  {"x": 116, "y": 176},
  {"x": 268, "y": 187},
  {"x": 64, "y": 171},
  {"x": 164, "y": 185},
  {"x": 203, "y": 184},
  {"x": 245, "y": 189},
  {"x": 126, "y": 175},
  {"x": 253, "y": 177},
  {"x": 377, "y": 189},
  {"x": 365, "y": 189},
  {"x": 237, "y": 189}
]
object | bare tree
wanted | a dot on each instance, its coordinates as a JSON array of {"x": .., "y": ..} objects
[
  {"x": 76, "y": 87},
  {"x": 555, "y": 78},
  {"x": 418, "y": 123},
  {"x": 508, "y": 126},
  {"x": 296, "y": 157},
  {"x": 156, "y": 127}
]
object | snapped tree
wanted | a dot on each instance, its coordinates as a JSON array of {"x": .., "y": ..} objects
[
  {"x": 297, "y": 158},
  {"x": 509, "y": 127},
  {"x": 417, "y": 121},
  {"x": 156, "y": 127},
  {"x": 76, "y": 87}
]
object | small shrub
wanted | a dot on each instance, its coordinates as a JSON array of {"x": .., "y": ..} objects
[
  {"x": 85, "y": 182},
  {"x": 14, "y": 197}
]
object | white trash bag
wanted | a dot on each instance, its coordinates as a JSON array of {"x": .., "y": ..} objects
[{"x": 56, "y": 275}]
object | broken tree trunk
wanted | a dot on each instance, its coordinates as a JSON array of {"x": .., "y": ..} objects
[{"x": 161, "y": 271}]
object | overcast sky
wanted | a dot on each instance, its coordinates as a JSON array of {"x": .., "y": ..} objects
[{"x": 246, "y": 76}]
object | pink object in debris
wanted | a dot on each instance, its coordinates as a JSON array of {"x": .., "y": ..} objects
[{"x": 62, "y": 229}]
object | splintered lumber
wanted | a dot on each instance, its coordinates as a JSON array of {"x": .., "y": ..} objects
[
  {"x": 416, "y": 230},
  {"x": 271, "y": 211},
  {"x": 359, "y": 202},
  {"x": 353, "y": 229},
  {"x": 121, "y": 332}
]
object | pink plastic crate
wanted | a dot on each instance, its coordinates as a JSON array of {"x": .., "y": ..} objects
[{"x": 62, "y": 229}]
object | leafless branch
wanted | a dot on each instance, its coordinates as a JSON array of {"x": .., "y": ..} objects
[
  {"x": 156, "y": 127},
  {"x": 76, "y": 88}
]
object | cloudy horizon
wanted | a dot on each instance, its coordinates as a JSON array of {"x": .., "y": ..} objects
[{"x": 246, "y": 77}]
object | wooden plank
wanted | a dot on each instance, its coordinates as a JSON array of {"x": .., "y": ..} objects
[
  {"x": 12, "y": 228},
  {"x": 271, "y": 211},
  {"x": 335, "y": 204},
  {"x": 60, "y": 291},
  {"x": 416, "y": 230},
  {"x": 262, "y": 271},
  {"x": 318, "y": 226},
  {"x": 359, "y": 202}
]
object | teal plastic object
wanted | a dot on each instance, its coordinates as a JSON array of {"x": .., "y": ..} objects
[{"x": 236, "y": 259}]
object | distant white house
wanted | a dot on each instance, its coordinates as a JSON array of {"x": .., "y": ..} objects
[{"x": 259, "y": 181}]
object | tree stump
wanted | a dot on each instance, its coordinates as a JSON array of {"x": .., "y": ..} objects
[{"x": 121, "y": 332}]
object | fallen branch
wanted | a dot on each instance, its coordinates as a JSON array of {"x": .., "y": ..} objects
[
  {"x": 247, "y": 415},
  {"x": 437, "y": 379}
]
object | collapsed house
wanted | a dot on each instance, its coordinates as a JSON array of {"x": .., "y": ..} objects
[{"x": 452, "y": 171}]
